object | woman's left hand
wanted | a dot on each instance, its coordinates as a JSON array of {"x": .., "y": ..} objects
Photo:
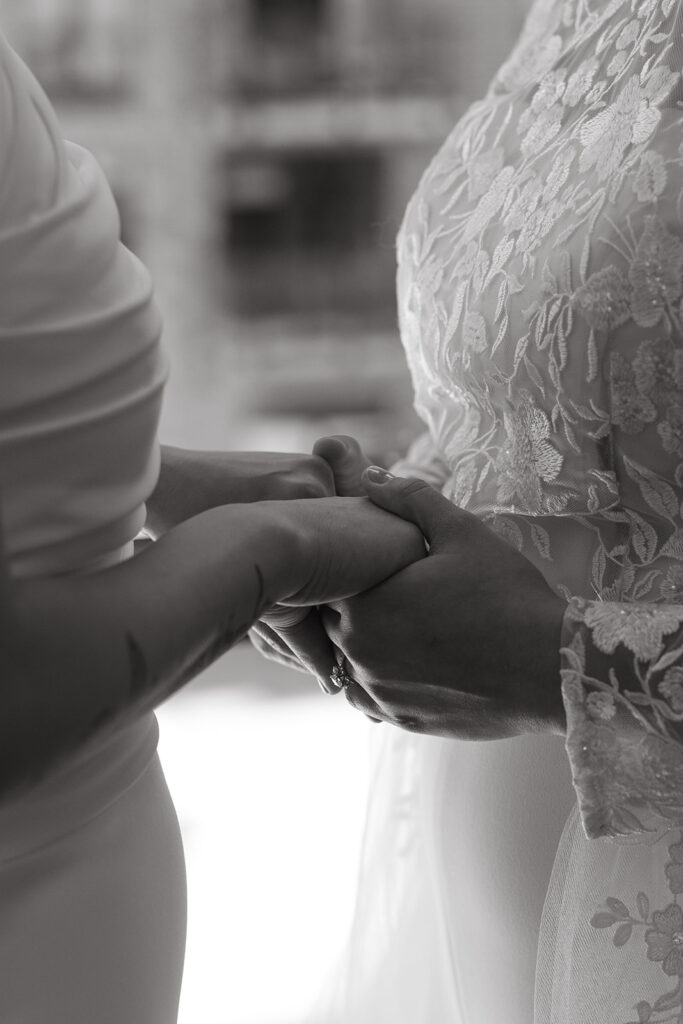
[
  {"x": 191, "y": 482},
  {"x": 463, "y": 643}
]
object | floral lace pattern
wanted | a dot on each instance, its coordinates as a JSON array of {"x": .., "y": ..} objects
[
  {"x": 540, "y": 285},
  {"x": 623, "y": 714},
  {"x": 541, "y": 307},
  {"x": 661, "y": 932}
]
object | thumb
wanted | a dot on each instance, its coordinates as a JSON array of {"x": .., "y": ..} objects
[
  {"x": 346, "y": 460},
  {"x": 414, "y": 500}
]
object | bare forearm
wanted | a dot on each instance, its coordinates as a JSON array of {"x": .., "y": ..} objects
[
  {"x": 87, "y": 654},
  {"x": 191, "y": 482}
]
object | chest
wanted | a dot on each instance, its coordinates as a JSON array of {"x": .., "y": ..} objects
[{"x": 517, "y": 254}]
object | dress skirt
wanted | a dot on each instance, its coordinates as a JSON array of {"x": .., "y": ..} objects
[{"x": 93, "y": 919}]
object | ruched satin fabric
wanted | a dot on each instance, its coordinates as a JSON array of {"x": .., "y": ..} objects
[
  {"x": 92, "y": 878},
  {"x": 81, "y": 369}
]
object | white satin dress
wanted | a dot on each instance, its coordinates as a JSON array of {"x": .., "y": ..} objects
[
  {"x": 540, "y": 291},
  {"x": 92, "y": 877}
]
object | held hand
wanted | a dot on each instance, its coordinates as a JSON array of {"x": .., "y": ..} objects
[
  {"x": 347, "y": 461},
  {"x": 191, "y": 482},
  {"x": 347, "y": 545},
  {"x": 296, "y": 638},
  {"x": 464, "y": 643}
]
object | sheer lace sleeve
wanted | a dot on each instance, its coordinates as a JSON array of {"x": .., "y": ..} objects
[
  {"x": 622, "y": 657},
  {"x": 622, "y": 684},
  {"x": 424, "y": 460}
]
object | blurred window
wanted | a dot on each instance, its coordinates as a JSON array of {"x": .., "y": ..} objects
[
  {"x": 301, "y": 230},
  {"x": 282, "y": 17}
]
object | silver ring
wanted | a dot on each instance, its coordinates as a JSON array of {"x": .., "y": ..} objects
[{"x": 340, "y": 677}]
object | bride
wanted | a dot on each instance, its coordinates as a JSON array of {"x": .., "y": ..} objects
[
  {"x": 540, "y": 289},
  {"x": 94, "y": 635}
]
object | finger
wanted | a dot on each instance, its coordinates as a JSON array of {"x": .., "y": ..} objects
[
  {"x": 346, "y": 460},
  {"x": 311, "y": 646},
  {"x": 268, "y": 644},
  {"x": 331, "y": 619},
  {"x": 418, "y": 502},
  {"x": 359, "y": 699}
]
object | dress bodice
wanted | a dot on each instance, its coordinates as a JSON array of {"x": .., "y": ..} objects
[
  {"x": 82, "y": 371},
  {"x": 81, "y": 380},
  {"x": 539, "y": 291}
]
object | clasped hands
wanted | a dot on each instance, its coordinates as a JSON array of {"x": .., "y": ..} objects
[{"x": 462, "y": 643}]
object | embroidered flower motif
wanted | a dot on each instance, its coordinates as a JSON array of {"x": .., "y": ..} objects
[
  {"x": 559, "y": 173},
  {"x": 542, "y": 119},
  {"x": 489, "y": 204},
  {"x": 547, "y": 94},
  {"x": 674, "y": 869},
  {"x": 631, "y": 119},
  {"x": 601, "y": 705},
  {"x": 474, "y": 332},
  {"x": 671, "y": 687},
  {"x": 656, "y": 274},
  {"x": 482, "y": 172},
  {"x": 665, "y": 940},
  {"x": 527, "y": 458},
  {"x": 580, "y": 82},
  {"x": 538, "y": 227},
  {"x": 638, "y": 627},
  {"x": 628, "y": 34},
  {"x": 529, "y": 63},
  {"x": 671, "y": 430},
  {"x": 507, "y": 529},
  {"x": 481, "y": 269},
  {"x": 524, "y": 205},
  {"x": 463, "y": 485},
  {"x": 649, "y": 180},
  {"x": 657, "y": 371},
  {"x": 632, "y": 409},
  {"x": 464, "y": 267},
  {"x": 604, "y": 300},
  {"x": 542, "y": 131}
]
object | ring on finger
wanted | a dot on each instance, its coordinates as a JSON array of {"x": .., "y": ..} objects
[{"x": 340, "y": 677}]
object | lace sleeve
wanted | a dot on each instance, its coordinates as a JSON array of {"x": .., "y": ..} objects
[
  {"x": 622, "y": 685},
  {"x": 423, "y": 460},
  {"x": 622, "y": 656}
]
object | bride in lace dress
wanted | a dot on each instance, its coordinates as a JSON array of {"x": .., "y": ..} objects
[{"x": 540, "y": 291}]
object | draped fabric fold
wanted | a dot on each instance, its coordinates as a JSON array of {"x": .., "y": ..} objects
[{"x": 81, "y": 368}]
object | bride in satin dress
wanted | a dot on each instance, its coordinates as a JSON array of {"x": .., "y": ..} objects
[
  {"x": 540, "y": 292},
  {"x": 95, "y": 634}
]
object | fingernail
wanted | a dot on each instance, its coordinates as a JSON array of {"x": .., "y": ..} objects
[
  {"x": 326, "y": 686},
  {"x": 377, "y": 475}
]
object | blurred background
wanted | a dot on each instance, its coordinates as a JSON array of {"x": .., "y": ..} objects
[{"x": 262, "y": 153}]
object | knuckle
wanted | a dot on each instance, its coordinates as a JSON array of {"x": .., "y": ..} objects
[
  {"x": 413, "y": 485},
  {"x": 310, "y": 488}
]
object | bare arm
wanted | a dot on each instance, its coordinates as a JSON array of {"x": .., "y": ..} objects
[
  {"x": 81, "y": 655},
  {"x": 192, "y": 481}
]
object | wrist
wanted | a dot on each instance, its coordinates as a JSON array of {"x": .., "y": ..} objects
[{"x": 284, "y": 551}]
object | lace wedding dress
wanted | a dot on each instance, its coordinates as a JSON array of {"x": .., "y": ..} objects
[{"x": 540, "y": 289}]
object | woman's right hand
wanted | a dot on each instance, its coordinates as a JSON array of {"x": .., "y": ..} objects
[{"x": 344, "y": 545}]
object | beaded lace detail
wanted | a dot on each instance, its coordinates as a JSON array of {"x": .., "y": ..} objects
[{"x": 540, "y": 291}]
